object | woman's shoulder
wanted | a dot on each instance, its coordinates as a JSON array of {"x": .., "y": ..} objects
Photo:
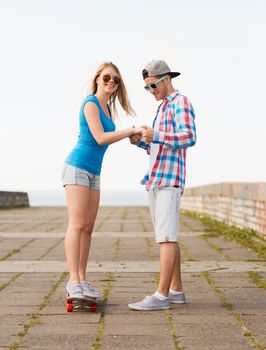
[{"x": 90, "y": 98}]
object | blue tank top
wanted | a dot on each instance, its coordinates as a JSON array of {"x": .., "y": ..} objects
[{"x": 88, "y": 154}]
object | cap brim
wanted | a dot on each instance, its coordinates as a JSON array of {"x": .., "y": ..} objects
[{"x": 174, "y": 74}]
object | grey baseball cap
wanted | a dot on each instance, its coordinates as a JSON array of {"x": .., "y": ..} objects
[{"x": 157, "y": 67}]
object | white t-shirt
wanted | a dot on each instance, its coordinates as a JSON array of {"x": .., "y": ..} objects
[{"x": 154, "y": 146}]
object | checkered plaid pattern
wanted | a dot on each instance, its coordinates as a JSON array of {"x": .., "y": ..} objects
[{"x": 176, "y": 133}]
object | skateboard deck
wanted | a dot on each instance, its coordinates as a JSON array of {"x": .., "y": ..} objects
[{"x": 73, "y": 304}]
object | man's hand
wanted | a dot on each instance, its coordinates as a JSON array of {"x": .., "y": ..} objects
[{"x": 147, "y": 133}]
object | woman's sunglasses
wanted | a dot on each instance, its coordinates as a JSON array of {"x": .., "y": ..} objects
[
  {"x": 107, "y": 77},
  {"x": 154, "y": 85}
]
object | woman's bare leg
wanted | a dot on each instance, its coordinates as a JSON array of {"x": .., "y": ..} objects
[
  {"x": 85, "y": 241},
  {"x": 78, "y": 208}
]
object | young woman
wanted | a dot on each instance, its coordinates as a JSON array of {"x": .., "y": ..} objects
[{"x": 82, "y": 168}]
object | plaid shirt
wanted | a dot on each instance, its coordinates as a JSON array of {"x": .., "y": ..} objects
[{"x": 176, "y": 133}]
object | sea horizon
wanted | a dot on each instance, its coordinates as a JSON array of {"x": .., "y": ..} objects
[{"x": 114, "y": 197}]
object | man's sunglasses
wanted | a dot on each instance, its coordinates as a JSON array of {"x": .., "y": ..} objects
[
  {"x": 107, "y": 77},
  {"x": 154, "y": 85}
]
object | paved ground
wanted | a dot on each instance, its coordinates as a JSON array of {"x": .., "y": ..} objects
[{"x": 226, "y": 309}]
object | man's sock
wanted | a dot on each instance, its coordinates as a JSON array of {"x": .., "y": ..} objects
[
  {"x": 175, "y": 292},
  {"x": 160, "y": 296}
]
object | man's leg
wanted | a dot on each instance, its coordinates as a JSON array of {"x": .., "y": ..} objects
[
  {"x": 164, "y": 208},
  {"x": 168, "y": 257},
  {"x": 167, "y": 228},
  {"x": 176, "y": 282}
]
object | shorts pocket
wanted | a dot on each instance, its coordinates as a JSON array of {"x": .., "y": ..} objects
[{"x": 63, "y": 172}]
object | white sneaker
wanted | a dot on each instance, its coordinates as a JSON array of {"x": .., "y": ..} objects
[
  {"x": 179, "y": 298},
  {"x": 89, "y": 291},
  {"x": 75, "y": 291},
  {"x": 150, "y": 302}
]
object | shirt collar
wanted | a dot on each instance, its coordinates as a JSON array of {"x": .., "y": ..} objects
[{"x": 171, "y": 96}]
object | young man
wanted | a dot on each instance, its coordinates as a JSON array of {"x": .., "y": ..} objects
[{"x": 166, "y": 143}]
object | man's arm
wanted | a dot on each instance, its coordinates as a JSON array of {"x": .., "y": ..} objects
[{"x": 186, "y": 134}]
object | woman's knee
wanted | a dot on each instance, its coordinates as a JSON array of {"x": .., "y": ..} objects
[
  {"x": 81, "y": 226},
  {"x": 88, "y": 227}
]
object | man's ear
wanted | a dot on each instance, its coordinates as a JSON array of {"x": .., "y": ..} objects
[{"x": 167, "y": 79}]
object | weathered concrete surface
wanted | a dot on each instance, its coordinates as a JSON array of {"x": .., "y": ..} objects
[{"x": 226, "y": 309}]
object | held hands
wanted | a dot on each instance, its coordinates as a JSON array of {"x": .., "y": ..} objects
[
  {"x": 136, "y": 136},
  {"x": 145, "y": 133}
]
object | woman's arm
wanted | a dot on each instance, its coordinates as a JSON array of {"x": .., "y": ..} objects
[{"x": 92, "y": 115}]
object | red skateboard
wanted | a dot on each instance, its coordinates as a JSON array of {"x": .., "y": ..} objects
[{"x": 80, "y": 304}]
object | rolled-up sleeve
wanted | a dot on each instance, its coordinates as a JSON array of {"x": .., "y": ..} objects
[{"x": 145, "y": 146}]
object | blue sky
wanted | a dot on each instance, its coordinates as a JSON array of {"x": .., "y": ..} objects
[{"x": 50, "y": 49}]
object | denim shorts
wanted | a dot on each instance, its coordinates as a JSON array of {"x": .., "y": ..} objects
[
  {"x": 164, "y": 209},
  {"x": 76, "y": 176}
]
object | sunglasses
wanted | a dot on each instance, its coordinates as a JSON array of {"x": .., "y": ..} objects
[
  {"x": 154, "y": 85},
  {"x": 116, "y": 79}
]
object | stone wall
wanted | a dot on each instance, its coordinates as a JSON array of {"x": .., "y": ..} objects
[
  {"x": 239, "y": 204},
  {"x": 13, "y": 199}
]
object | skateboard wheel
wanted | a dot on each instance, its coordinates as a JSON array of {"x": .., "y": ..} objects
[
  {"x": 93, "y": 308},
  {"x": 69, "y": 307}
]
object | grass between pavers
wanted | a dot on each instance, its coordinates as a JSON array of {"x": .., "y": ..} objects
[
  {"x": 226, "y": 304},
  {"x": 16, "y": 251},
  {"x": 145, "y": 227},
  {"x": 248, "y": 238},
  {"x": 34, "y": 318},
  {"x": 106, "y": 291},
  {"x": 117, "y": 248},
  {"x": 245, "y": 238},
  {"x": 255, "y": 277},
  {"x": 214, "y": 246},
  {"x": 170, "y": 322},
  {"x": 100, "y": 330},
  {"x": 186, "y": 252},
  {"x": 12, "y": 279},
  {"x": 172, "y": 330},
  {"x": 149, "y": 248},
  {"x": 51, "y": 248}
]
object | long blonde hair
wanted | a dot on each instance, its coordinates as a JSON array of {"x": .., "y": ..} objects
[{"x": 121, "y": 91}]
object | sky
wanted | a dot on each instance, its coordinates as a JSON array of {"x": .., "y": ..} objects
[{"x": 50, "y": 49}]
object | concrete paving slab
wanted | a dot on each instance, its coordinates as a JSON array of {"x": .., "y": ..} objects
[
  {"x": 64, "y": 329},
  {"x": 226, "y": 341},
  {"x": 123, "y": 264},
  {"x": 135, "y": 329},
  {"x": 262, "y": 340},
  {"x": 46, "y": 266},
  {"x": 58, "y": 342},
  {"x": 208, "y": 330},
  {"x": 122, "y": 342},
  {"x": 137, "y": 319},
  {"x": 85, "y": 317},
  {"x": 220, "y": 347},
  {"x": 108, "y": 234}
]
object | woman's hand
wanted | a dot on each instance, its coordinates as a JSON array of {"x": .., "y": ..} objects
[
  {"x": 136, "y": 136},
  {"x": 147, "y": 133},
  {"x": 137, "y": 131}
]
